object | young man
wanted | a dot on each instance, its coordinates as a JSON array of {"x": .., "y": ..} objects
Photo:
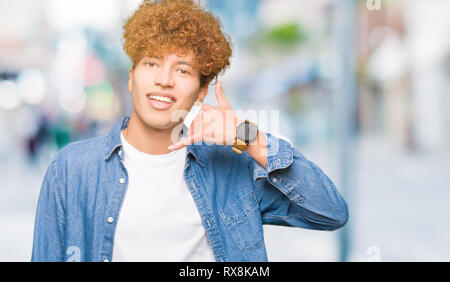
[{"x": 150, "y": 190}]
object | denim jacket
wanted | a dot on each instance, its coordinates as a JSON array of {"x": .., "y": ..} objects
[{"x": 84, "y": 187}]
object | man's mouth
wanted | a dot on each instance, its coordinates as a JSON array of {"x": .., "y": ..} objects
[{"x": 161, "y": 101}]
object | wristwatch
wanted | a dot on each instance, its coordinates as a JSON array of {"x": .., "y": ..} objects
[{"x": 246, "y": 132}]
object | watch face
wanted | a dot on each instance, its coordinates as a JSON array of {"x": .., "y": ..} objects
[{"x": 247, "y": 132}]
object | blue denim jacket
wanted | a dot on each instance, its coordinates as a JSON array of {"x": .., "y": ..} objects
[{"x": 84, "y": 187}]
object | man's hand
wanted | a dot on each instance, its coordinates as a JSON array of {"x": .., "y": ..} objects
[{"x": 212, "y": 124}]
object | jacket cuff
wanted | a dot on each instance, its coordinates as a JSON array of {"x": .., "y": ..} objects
[{"x": 279, "y": 156}]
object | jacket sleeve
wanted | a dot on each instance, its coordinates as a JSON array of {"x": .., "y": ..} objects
[
  {"x": 49, "y": 225},
  {"x": 293, "y": 191}
]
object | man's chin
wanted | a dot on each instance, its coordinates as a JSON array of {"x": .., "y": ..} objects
[
  {"x": 159, "y": 124},
  {"x": 157, "y": 121}
]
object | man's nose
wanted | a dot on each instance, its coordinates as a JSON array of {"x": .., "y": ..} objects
[{"x": 164, "y": 77}]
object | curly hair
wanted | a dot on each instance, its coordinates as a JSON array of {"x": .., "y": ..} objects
[{"x": 156, "y": 29}]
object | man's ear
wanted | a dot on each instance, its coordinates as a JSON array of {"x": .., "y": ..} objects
[
  {"x": 130, "y": 81},
  {"x": 202, "y": 94}
]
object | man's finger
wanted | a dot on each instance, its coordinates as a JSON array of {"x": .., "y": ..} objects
[
  {"x": 220, "y": 95},
  {"x": 188, "y": 140},
  {"x": 194, "y": 136}
]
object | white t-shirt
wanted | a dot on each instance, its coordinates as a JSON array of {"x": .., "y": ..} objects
[{"x": 158, "y": 220}]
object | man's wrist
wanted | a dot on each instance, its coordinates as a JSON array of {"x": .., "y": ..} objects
[{"x": 258, "y": 149}]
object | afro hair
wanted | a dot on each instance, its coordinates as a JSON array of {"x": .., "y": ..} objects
[{"x": 178, "y": 26}]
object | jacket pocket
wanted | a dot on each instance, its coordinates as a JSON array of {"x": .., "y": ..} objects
[{"x": 243, "y": 221}]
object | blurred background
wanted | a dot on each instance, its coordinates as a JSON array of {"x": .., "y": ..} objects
[{"x": 361, "y": 88}]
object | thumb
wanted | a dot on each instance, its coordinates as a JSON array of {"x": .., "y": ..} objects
[{"x": 220, "y": 95}]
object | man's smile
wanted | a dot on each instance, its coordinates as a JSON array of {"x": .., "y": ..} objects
[{"x": 160, "y": 103}]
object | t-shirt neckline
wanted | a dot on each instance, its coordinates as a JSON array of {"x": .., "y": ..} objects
[{"x": 131, "y": 150}]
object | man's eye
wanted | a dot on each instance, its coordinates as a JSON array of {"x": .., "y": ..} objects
[
  {"x": 151, "y": 64},
  {"x": 184, "y": 71}
]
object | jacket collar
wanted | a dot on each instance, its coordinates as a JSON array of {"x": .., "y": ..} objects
[{"x": 113, "y": 142}]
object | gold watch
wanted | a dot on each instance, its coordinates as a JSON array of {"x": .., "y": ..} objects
[{"x": 246, "y": 132}]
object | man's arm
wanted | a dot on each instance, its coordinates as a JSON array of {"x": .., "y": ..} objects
[
  {"x": 291, "y": 190},
  {"x": 49, "y": 226}
]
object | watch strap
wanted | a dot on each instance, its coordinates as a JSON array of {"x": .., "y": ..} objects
[{"x": 239, "y": 146}]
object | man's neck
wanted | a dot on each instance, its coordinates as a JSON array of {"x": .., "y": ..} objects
[{"x": 147, "y": 139}]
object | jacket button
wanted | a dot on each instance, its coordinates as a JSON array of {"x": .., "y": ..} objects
[
  {"x": 274, "y": 179},
  {"x": 122, "y": 180},
  {"x": 110, "y": 219}
]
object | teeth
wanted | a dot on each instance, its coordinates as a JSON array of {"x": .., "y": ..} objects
[{"x": 163, "y": 99}]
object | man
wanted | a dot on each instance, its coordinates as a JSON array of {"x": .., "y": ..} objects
[{"x": 150, "y": 191}]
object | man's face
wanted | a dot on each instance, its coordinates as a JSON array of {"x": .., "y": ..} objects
[{"x": 174, "y": 76}]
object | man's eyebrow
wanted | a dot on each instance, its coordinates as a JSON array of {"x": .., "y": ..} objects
[
  {"x": 184, "y": 63},
  {"x": 179, "y": 62}
]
